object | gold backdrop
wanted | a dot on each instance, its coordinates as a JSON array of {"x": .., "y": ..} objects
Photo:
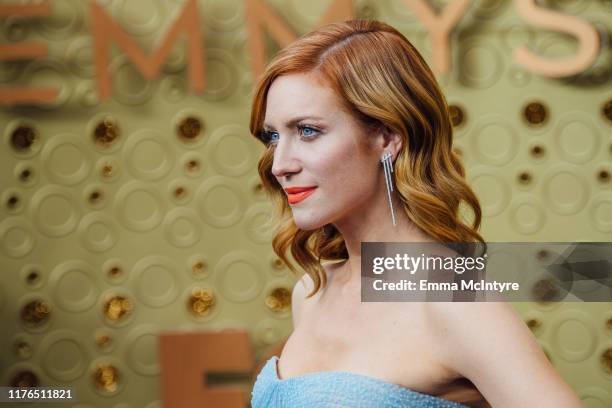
[{"x": 143, "y": 212}]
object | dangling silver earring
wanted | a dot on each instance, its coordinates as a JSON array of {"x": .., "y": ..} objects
[{"x": 388, "y": 169}]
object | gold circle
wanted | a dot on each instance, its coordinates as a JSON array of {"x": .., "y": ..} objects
[
  {"x": 189, "y": 128},
  {"x": 23, "y": 349},
  {"x": 117, "y": 308},
  {"x": 33, "y": 277},
  {"x": 201, "y": 301},
  {"x": 603, "y": 176},
  {"x": 192, "y": 166},
  {"x": 278, "y": 263},
  {"x": 535, "y": 113},
  {"x": 106, "y": 377},
  {"x": 23, "y": 137},
  {"x": 198, "y": 268},
  {"x": 533, "y": 323},
  {"x": 12, "y": 201},
  {"x": 457, "y": 114},
  {"x": 525, "y": 177},
  {"x": 545, "y": 290},
  {"x": 542, "y": 255},
  {"x": 114, "y": 272},
  {"x": 35, "y": 312},
  {"x": 537, "y": 151},
  {"x": 95, "y": 196},
  {"x": 25, "y": 175},
  {"x": 107, "y": 170},
  {"x": 24, "y": 378},
  {"x": 279, "y": 299},
  {"x": 106, "y": 132},
  {"x": 104, "y": 341},
  {"x": 180, "y": 192}
]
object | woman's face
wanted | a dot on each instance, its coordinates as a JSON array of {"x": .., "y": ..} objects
[{"x": 319, "y": 146}]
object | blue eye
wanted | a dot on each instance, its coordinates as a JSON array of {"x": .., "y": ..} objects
[
  {"x": 270, "y": 137},
  {"x": 307, "y": 131}
]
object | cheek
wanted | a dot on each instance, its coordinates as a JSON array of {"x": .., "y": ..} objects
[
  {"x": 346, "y": 175},
  {"x": 344, "y": 169},
  {"x": 332, "y": 165}
]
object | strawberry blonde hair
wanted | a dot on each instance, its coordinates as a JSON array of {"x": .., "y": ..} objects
[{"x": 382, "y": 80}]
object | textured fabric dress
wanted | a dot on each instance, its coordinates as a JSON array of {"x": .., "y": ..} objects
[{"x": 336, "y": 389}]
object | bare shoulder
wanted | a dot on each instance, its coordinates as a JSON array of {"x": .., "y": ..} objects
[
  {"x": 488, "y": 343},
  {"x": 479, "y": 324},
  {"x": 465, "y": 316}
]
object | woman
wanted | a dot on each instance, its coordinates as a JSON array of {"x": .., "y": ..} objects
[{"x": 329, "y": 107}]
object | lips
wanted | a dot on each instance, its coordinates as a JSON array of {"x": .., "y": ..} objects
[{"x": 297, "y": 194}]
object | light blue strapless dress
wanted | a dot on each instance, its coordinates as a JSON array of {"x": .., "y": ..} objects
[{"x": 337, "y": 389}]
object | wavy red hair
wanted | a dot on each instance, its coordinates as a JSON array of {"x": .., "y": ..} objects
[{"x": 383, "y": 81}]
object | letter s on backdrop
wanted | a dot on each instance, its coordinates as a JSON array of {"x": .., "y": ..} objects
[{"x": 586, "y": 34}]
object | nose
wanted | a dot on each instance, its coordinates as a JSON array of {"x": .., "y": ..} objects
[{"x": 285, "y": 162}]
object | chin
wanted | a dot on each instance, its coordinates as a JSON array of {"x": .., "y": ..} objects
[{"x": 307, "y": 223}]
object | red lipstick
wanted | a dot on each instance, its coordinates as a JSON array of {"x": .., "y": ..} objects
[{"x": 297, "y": 194}]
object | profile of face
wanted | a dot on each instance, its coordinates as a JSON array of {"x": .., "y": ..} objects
[{"x": 319, "y": 144}]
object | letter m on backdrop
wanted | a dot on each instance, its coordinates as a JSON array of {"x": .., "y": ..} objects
[{"x": 104, "y": 29}]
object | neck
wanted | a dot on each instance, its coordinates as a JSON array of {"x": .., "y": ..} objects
[{"x": 372, "y": 225}]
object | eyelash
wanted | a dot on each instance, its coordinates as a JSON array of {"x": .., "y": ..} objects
[{"x": 267, "y": 134}]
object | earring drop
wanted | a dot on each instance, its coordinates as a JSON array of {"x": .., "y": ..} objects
[{"x": 388, "y": 169}]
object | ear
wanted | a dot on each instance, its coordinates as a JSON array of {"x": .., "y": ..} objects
[{"x": 391, "y": 141}]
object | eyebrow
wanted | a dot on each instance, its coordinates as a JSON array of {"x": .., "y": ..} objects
[{"x": 293, "y": 121}]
